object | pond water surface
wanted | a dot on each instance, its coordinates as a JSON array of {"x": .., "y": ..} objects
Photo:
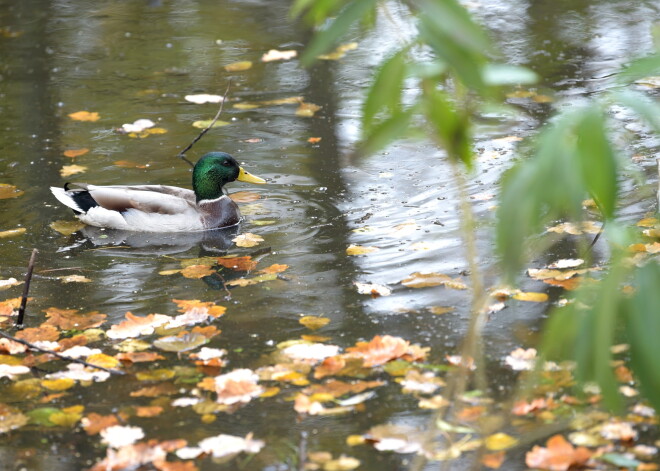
[{"x": 139, "y": 59}]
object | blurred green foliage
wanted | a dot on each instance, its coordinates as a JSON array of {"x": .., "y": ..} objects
[{"x": 572, "y": 158}]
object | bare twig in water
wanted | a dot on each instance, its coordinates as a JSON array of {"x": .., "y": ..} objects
[
  {"x": 205, "y": 130},
  {"x": 31, "y": 346},
  {"x": 26, "y": 288}
]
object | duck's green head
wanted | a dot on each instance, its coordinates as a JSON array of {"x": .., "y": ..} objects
[{"x": 213, "y": 171}]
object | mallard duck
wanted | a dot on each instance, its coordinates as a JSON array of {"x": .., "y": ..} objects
[{"x": 160, "y": 208}]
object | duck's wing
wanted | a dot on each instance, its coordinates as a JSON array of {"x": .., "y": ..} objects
[{"x": 159, "y": 199}]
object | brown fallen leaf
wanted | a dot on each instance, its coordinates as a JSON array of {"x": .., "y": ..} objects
[
  {"x": 94, "y": 423},
  {"x": 70, "y": 319},
  {"x": 314, "y": 322},
  {"x": 197, "y": 271},
  {"x": 274, "y": 268},
  {"x": 238, "y": 263},
  {"x": 382, "y": 349}
]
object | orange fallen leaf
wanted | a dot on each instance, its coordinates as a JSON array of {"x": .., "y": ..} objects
[
  {"x": 197, "y": 271},
  {"x": 238, "y": 263},
  {"x": 314, "y": 140},
  {"x": 93, "y": 423},
  {"x": 129, "y": 164},
  {"x": 493, "y": 460},
  {"x": 382, "y": 349},
  {"x": 186, "y": 305},
  {"x": 69, "y": 319},
  {"x": 35, "y": 334},
  {"x": 75, "y": 152},
  {"x": 559, "y": 455},
  {"x": 148, "y": 411},
  {"x": 84, "y": 116},
  {"x": 139, "y": 357},
  {"x": 275, "y": 268}
]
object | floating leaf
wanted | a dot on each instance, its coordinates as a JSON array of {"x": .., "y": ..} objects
[
  {"x": 118, "y": 436},
  {"x": 197, "y": 271},
  {"x": 181, "y": 343},
  {"x": 307, "y": 110},
  {"x": 222, "y": 446},
  {"x": 339, "y": 52},
  {"x": 95, "y": 423},
  {"x": 147, "y": 133},
  {"x": 84, "y": 116},
  {"x": 74, "y": 279},
  {"x": 238, "y": 263},
  {"x": 239, "y": 386},
  {"x": 69, "y": 319},
  {"x": 531, "y": 297},
  {"x": 360, "y": 250},
  {"x": 275, "y": 55},
  {"x": 129, "y": 164},
  {"x": 69, "y": 170},
  {"x": 103, "y": 360},
  {"x": 11, "y": 371},
  {"x": 238, "y": 66},
  {"x": 314, "y": 322},
  {"x": 134, "y": 326},
  {"x": 12, "y": 232},
  {"x": 139, "y": 357},
  {"x": 137, "y": 126},
  {"x": 9, "y": 191},
  {"x": 253, "y": 281},
  {"x": 61, "y": 384},
  {"x": 373, "y": 289},
  {"x": 314, "y": 140},
  {"x": 247, "y": 240},
  {"x": 422, "y": 280},
  {"x": 559, "y": 455},
  {"x": 500, "y": 441},
  {"x": 72, "y": 153},
  {"x": 67, "y": 227},
  {"x": 439, "y": 310},
  {"x": 8, "y": 283},
  {"x": 382, "y": 349},
  {"x": 274, "y": 268},
  {"x": 203, "y": 124},
  {"x": 203, "y": 98}
]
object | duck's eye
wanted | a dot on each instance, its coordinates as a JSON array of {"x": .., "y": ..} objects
[{"x": 226, "y": 163}]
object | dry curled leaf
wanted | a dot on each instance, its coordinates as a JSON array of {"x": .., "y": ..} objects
[{"x": 9, "y": 191}]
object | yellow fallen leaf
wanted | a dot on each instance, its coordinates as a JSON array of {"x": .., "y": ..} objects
[
  {"x": 12, "y": 232},
  {"x": 101, "y": 359},
  {"x": 274, "y": 268},
  {"x": 238, "y": 66},
  {"x": 439, "y": 310},
  {"x": 532, "y": 297},
  {"x": 147, "y": 132},
  {"x": 61, "y": 384},
  {"x": 339, "y": 52},
  {"x": 359, "y": 250},
  {"x": 75, "y": 152},
  {"x": 203, "y": 124},
  {"x": 647, "y": 222},
  {"x": 314, "y": 322},
  {"x": 67, "y": 417},
  {"x": 422, "y": 280},
  {"x": 500, "y": 441},
  {"x": 354, "y": 440},
  {"x": 169, "y": 272},
  {"x": 9, "y": 191},
  {"x": 84, "y": 116},
  {"x": 66, "y": 227},
  {"x": 247, "y": 240},
  {"x": 69, "y": 170}
]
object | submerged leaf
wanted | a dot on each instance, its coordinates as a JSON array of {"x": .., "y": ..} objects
[{"x": 9, "y": 191}]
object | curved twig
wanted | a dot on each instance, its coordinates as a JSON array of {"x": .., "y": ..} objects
[{"x": 181, "y": 154}]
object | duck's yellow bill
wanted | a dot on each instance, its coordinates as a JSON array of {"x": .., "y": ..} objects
[{"x": 244, "y": 176}]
